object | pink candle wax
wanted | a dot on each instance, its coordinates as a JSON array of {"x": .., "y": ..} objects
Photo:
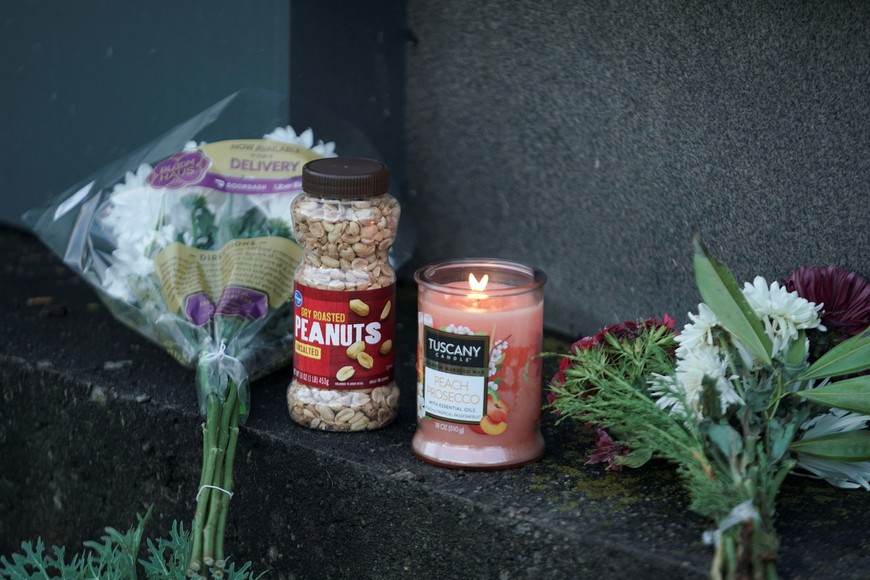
[{"x": 478, "y": 374}]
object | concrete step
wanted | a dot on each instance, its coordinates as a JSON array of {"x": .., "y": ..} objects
[{"x": 96, "y": 424}]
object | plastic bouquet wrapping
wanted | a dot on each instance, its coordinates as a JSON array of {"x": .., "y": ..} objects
[
  {"x": 190, "y": 243},
  {"x": 765, "y": 380}
]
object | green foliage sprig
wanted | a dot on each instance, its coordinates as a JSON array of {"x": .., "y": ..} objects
[{"x": 115, "y": 557}]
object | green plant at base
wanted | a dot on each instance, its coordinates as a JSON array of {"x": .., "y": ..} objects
[{"x": 114, "y": 558}]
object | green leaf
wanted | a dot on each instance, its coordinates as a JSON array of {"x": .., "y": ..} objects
[
  {"x": 711, "y": 407},
  {"x": 846, "y": 446},
  {"x": 636, "y": 458},
  {"x": 168, "y": 557},
  {"x": 850, "y": 356},
  {"x": 781, "y": 435},
  {"x": 725, "y": 438},
  {"x": 36, "y": 563},
  {"x": 721, "y": 292},
  {"x": 849, "y": 394},
  {"x": 795, "y": 360}
]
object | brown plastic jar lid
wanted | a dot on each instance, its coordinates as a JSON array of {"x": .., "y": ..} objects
[{"x": 345, "y": 177}]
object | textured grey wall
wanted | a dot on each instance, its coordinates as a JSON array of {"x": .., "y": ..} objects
[{"x": 588, "y": 138}]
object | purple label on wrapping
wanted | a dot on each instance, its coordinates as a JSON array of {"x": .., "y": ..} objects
[
  {"x": 198, "y": 308},
  {"x": 182, "y": 169},
  {"x": 251, "y": 185},
  {"x": 243, "y": 302}
]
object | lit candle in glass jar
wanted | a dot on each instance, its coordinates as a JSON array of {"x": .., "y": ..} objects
[{"x": 480, "y": 329}]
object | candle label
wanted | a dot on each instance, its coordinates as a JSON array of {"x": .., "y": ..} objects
[
  {"x": 344, "y": 340},
  {"x": 455, "y": 375}
]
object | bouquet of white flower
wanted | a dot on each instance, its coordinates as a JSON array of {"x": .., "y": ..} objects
[
  {"x": 195, "y": 251},
  {"x": 734, "y": 400}
]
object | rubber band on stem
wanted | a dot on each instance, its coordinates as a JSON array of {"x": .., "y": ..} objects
[
  {"x": 740, "y": 513},
  {"x": 229, "y": 493}
]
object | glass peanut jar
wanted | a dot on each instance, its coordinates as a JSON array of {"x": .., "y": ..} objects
[
  {"x": 344, "y": 297},
  {"x": 479, "y": 384}
]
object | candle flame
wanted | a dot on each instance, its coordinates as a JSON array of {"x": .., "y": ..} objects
[{"x": 478, "y": 285}]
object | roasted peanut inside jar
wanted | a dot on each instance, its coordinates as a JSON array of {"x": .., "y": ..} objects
[
  {"x": 330, "y": 410},
  {"x": 347, "y": 243}
]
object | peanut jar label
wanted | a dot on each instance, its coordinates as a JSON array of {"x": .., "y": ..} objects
[{"x": 344, "y": 340}]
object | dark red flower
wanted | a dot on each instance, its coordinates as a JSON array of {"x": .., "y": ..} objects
[
  {"x": 606, "y": 450},
  {"x": 845, "y": 295},
  {"x": 627, "y": 330}
]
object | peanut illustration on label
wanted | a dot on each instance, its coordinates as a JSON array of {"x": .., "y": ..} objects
[
  {"x": 359, "y": 307},
  {"x": 356, "y": 348},
  {"x": 365, "y": 360},
  {"x": 344, "y": 373}
]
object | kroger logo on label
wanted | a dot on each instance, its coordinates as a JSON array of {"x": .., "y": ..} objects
[
  {"x": 297, "y": 298},
  {"x": 183, "y": 168}
]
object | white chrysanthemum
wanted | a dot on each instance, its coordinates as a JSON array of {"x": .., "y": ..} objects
[
  {"x": 134, "y": 260},
  {"x": 134, "y": 179},
  {"x": 121, "y": 282},
  {"x": 699, "y": 332},
  {"x": 192, "y": 145},
  {"x": 668, "y": 394},
  {"x": 135, "y": 216},
  {"x": 843, "y": 474},
  {"x": 681, "y": 394},
  {"x": 783, "y": 313},
  {"x": 116, "y": 282},
  {"x": 135, "y": 205},
  {"x": 304, "y": 139}
]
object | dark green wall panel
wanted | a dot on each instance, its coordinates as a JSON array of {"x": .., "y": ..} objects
[{"x": 85, "y": 82}]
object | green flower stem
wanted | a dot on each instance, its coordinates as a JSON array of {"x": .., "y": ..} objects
[
  {"x": 746, "y": 551},
  {"x": 208, "y": 457},
  {"x": 210, "y": 525},
  {"x": 211, "y": 533},
  {"x": 220, "y": 438},
  {"x": 194, "y": 559},
  {"x": 220, "y": 560}
]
